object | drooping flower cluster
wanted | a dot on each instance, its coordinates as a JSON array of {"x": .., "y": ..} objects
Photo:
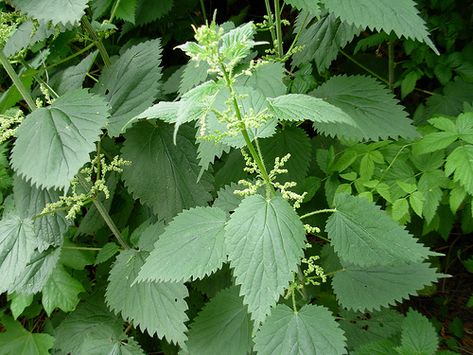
[{"x": 9, "y": 122}]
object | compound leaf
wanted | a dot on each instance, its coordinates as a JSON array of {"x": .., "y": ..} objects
[
  {"x": 56, "y": 11},
  {"x": 460, "y": 164},
  {"x": 264, "y": 241},
  {"x": 362, "y": 234},
  {"x": 173, "y": 169},
  {"x": 132, "y": 83},
  {"x": 372, "y": 107},
  {"x": 155, "y": 307},
  {"x": 222, "y": 327},
  {"x": 197, "y": 232},
  {"x": 54, "y": 142},
  {"x": 312, "y": 330},
  {"x": 399, "y": 16},
  {"x": 61, "y": 291},
  {"x": 370, "y": 288}
]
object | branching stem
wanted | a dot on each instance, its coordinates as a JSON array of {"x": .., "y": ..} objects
[
  {"x": 98, "y": 42},
  {"x": 327, "y": 210}
]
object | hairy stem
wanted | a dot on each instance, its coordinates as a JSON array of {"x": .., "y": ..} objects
[
  {"x": 327, "y": 210},
  {"x": 114, "y": 10},
  {"x": 270, "y": 21},
  {"x": 108, "y": 220},
  {"x": 277, "y": 13},
  {"x": 98, "y": 42},
  {"x": 17, "y": 82}
]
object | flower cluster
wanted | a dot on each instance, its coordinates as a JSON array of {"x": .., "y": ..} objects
[
  {"x": 9, "y": 122},
  {"x": 317, "y": 272}
]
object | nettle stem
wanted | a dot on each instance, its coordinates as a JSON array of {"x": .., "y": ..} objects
[
  {"x": 98, "y": 42},
  {"x": 277, "y": 12},
  {"x": 327, "y": 210},
  {"x": 108, "y": 220},
  {"x": 256, "y": 157},
  {"x": 17, "y": 82}
]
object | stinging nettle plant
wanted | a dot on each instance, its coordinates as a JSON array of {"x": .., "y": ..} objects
[{"x": 247, "y": 246}]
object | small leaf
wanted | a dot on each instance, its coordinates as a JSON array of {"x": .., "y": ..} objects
[
  {"x": 433, "y": 142},
  {"x": 418, "y": 335},
  {"x": 416, "y": 201},
  {"x": 264, "y": 241},
  {"x": 107, "y": 252},
  {"x": 198, "y": 232},
  {"x": 460, "y": 164},
  {"x": 155, "y": 307},
  {"x": 19, "y": 302},
  {"x": 311, "y": 330},
  {"x": 400, "y": 209},
  {"x": 457, "y": 196}
]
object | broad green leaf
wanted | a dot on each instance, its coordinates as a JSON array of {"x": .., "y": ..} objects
[
  {"x": 312, "y": 330},
  {"x": 322, "y": 39},
  {"x": 363, "y": 328},
  {"x": 132, "y": 83},
  {"x": 61, "y": 291},
  {"x": 267, "y": 78},
  {"x": 19, "y": 302},
  {"x": 27, "y": 34},
  {"x": 362, "y": 234},
  {"x": 75, "y": 258},
  {"x": 227, "y": 199},
  {"x": 197, "y": 232},
  {"x": 222, "y": 327},
  {"x": 418, "y": 335},
  {"x": 434, "y": 141},
  {"x": 90, "y": 319},
  {"x": 264, "y": 241},
  {"x": 30, "y": 202},
  {"x": 194, "y": 74},
  {"x": 379, "y": 347},
  {"x": 147, "y": 11},
  {"x": 35, "y": 275},
  {"x": 400, "y": 16},
  {"x": 376, "y": 113},
  {"x": 97, "y": 345},
  {"x": 17, "y": 340},
  {"x": 107, "y": 252},
  {"x": 370, "y": 288},
  {"x": 56, "y": 11},
  {"x": 460, "y": 164},
  {"x": 298, "y": 107},
  {"x": 17, "y": 246},
  {"x": 173, "y": 169},
  {"x": 291, "y": 140},
  {"x": 155, "y": 307},
  {"x": 126, "y": 10},
  {"x": 54, "y": 142},
  {"x": 312, "y": 6},
  {"x": 237, "y": 43}
]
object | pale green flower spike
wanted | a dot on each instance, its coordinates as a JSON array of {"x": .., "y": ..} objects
[
  {"x": 9, "y": 122},
  {"x": 313, "y": 269}
]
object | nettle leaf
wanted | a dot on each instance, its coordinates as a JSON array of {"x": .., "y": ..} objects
[
  {"x": 322, "y": 39},
  {"x": 312, "y": 330},
  {"x": 312, "y": 6},
  {"x": 264, "y": 241},
  {"x": 197, "y": 232},
  {"x": 373, "y": 108},
  {"x": 155, "y": 307},
  {"x": 227, "y": 200},
  {"x": 299, "y": 107},
  {"x": 119, "y": 345},
  {"x": 194, "y": 74},
  {"x": 370, "y": 288},
  {"x": 17, "y": 340},
  {"x": 147, "y": 11},
  {"x": 222, "y": 327},
  {"x": 56, "y": 11},
  {"x": 401, "y": 16},
  {"x": 362, "y": 234},
  {"x": 267, "y": 78},
  {"x": 126, "y": 10},
  {"x": 418, "y": 335},
  {"x": 61, "y": 291},
  {"x": 173, "y": 169},
  {"x": 132, "y": 83},
  {"x": 460, "y": 164},
  {"x": 17, "y": 246},
  {"x": 27, "y": 34},
  {"x": 291, "y": 140},
  {"x": 30, "y": 202},
  {"x": 54, "y": 142}
]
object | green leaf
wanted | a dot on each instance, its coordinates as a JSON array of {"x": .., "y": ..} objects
[
  {"x": 408, "y": 83},
  {"x": 107, "y": 252},
  {"x": 227, "y": 200},
  {"x": 460, "y": 164},
  {"x": 91, "y": 319},
  {"x": 194, "y": 74},
  {"x": 56, "y": 11},
  {"x": 155, "y": 307},
  {"x": 379, "y": 347},
  {"x": 298, "y": 107},
  {"x": 54, "y": 142},
  {"x": 19, "y": 302},
  {"x": 399, "y": 16},
  {"x": 433, "y": 142},
  {"x": 267, "y": 78},
  {"x": 416, "y": 200},
  {"x": 132, "y": 83},
  {"x": 264, "y": 241},
  {"x": 362, "y": 234},
  {"x": 322, "y": 39},
  {"x": 172, "y": 168},
  {"x": 312, "y": 330},
  {"x": 370, "y": 288},
  {"x": 61, "y": 291},
  {"x": 17, "y": 246},
  {"x": 457, "y": 196},
  {"x": 147, "y": 11},
  {"x": 291, "y": 140},
  {"x": 197, "y": 232},
  {"x": 222, "y": 327},
  {"x": 312, "y": 6},
  {"x": 429, "y": 186},
  {"x": 418, "y": 335},
  {"x": 17, "y": 340},
  {"x": 26, "y": 35},
  {"x": 400, "y": 209},
  {"x": 30, "y": 202},
  {"x": 376, "y": 113},
  {"x": 96, "y": 345},
  {"x": 126, "y": 10}
]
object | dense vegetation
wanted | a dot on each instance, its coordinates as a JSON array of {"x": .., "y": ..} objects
[{"x": 269, "y": 177}]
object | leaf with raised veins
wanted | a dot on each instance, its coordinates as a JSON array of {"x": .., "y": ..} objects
[{"x": 56, "y": 11}]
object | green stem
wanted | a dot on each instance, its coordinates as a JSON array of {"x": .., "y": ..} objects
[
  {"x": 270, "y": 21},
  {"x": 103, "y": 52},
  {"x": 391, "y": 65},
  {"x": 81, "y": 248},
  {"x": 277, "y": 12},
  {"x": 114, "y": 10},
  {"x": 204, "y": 13},
  {"x": 108, "y": 220},
  {"x": 363, "y": 67},
  {"x": 16, "y": 81},
  {"x": 294, "y": 42},
  {"x": 72, "y": 56},
  {"x": 327, "y": 210},
  {"x": 293, "y": 297}
]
